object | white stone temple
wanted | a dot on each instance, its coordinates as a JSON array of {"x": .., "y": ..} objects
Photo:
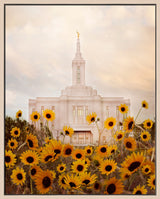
[{"x": 75, "y": 103}]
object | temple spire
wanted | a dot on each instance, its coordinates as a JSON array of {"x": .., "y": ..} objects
[{"x": 78, "y": 53}]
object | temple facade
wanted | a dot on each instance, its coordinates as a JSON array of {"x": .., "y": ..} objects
[{"x": 75, "y": 103}]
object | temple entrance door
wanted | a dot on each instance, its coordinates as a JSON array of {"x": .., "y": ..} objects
[{"x": 82, "y": 137}]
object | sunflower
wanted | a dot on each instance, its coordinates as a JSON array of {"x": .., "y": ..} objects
[
  {"x": 61, "y": 181},
  {"x": 114, "y": 186},
  {"x": 88, "y": 150},
  {"x": 91, "y": 118},
  {"x": 128, "y": 124},
  {"x": 102, "y": 150},
  {"x": 15, "y": 132},
  {"x": 49, "y": 115},
  {"x": 68, "y": 131},
  {"x": 53, "y": 173},
  {"x": 151, "y": 164},
  {"x": 144, "y": 104},
  {"x": 150, "y": 151},
  {"x": 34, "y": 170},
  {"x": 119, "y": 135},
  {"x": 61, "y": 168},
  {"x": 130, "y": 143},
  {"x": 12, "y": 143},
  {"x": 10, "y": 158},
  {"x": 78, "y": 154},
  {"x": 146, "y": 169},
  {"x": 145, "y": 136},
  {"x": 56, "y": 147},
  {"x": 107, "y": 166},
  {"x": 139, "y": 190},
  {"x": 43, "y": 181},
  {"x": 47, "y": 155},
  {"x": 109, "y": 123},
  {"x": 30, "y": 158},
  {"x": 18, "y": 176},
  {"x": 67, "y": 150},
  {"x": 72, "y": 181},
  {"x": 148, "y": 124},
  {"x": 87, "y": 179},
  {"x": 35, "y": 116},
  {"x": 27, "y": 129},
  {"x": 151, "y": 182},
  {"x": 125, "y": 174},
  {"x": 111, "y": 150},
  {"x": 123, "y": 108},
  {"x": 133, "y": 162},
  {"x": 19, "y": 114},
  {"x": 97, "y": 160},
  {"x": 87, "y": 161},
  {"x": 79, "y": 166},
  {"x": 97, "y": 186},
  {"x": 32, "y": 141}
]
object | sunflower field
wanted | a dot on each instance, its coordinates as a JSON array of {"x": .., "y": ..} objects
[{"x": 36, "y": 163}]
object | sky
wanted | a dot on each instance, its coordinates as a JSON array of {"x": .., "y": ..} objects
[{"x": 117, "y": 43}]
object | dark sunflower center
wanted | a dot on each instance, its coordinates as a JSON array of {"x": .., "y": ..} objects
[
  {"x": 30, "y": 142},
  {"x": 146, "y": 170},
  {"x": 111, "y": 188},
  {"x": 46, "y": 182},
  {"x": 78, "y": 155},
  {"x": 138, "y": 192},
  {"x": 129, "y": 145},
  {"x": 130, "y": 125},
  {"x": 110, "y": 124},
  {"x": 79, "y": 167},
  {"x": 33, "y": 172},
  {"x": 16, "y": 132},
  {"x": 122, "y": 109},
  {"x": 68, "y": 151},
  {"x": 148, "y": 124},
  {"x": 88, "y": 151},
  {"x": 48, "y": 115},
  {"x": 119, "y": 136},
  {"x": 67, "y": 132},
  {"x": 144, "y": 105},
  {"x": 61, "y": 168},
  {"x": 63, "y": 182},
  {"x": 19, "y": 176},
  {"x": 86, "y": 181},
  {"x": 57, "y": 151},
  {"x": 108, "y": 168},
  {"x": 154, "y": 181},
  {"x": 35, "y": 117},
  {"x": 113, "y": 150},
  {"x": 19, "y": 115},
  {"x": 7, "y": 158},
  {"x": 30, "y": 159},
  {"x": 72, "y": 184},
  {"x": 12, "y": 143},
  {"x": 134, "y": 166},
  {"x": 47, "y": 158},
  {"x": 144, "y": 136},
  {"x": 92, "y": 119},
  {"x": 103, "y": 149},
  {"x": 96, "y": 185},
  {"x": 27, "y": 129}
]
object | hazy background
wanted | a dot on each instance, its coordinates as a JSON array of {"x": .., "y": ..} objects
[{"x": 117, "y": 42}]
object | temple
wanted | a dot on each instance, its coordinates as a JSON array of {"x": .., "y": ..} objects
[{"x": 75, "y": 103}]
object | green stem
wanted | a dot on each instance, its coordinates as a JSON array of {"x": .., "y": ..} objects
[
  {"x": 138, "y": 114},
  {"x": 63, "y": 138},
  {"x": 131, "y": 181}
]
